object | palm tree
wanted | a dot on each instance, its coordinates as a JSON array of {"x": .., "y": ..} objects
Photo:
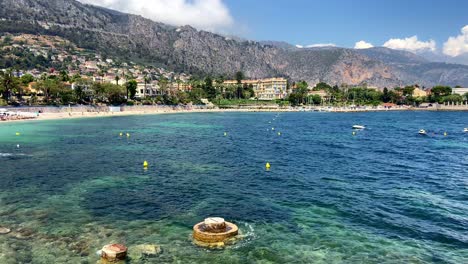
[
  {"x": 147, "y": 80},
  {"x": 163, "y": 82}
]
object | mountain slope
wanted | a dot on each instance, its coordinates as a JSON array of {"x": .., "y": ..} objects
[{"x": 189, "y": 50}]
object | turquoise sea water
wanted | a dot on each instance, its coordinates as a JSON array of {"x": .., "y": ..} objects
[{"x": 385, "y": 195}]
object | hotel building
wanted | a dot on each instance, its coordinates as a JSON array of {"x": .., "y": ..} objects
[{"x": 265, "y": 89}]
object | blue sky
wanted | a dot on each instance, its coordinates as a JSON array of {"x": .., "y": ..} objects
[{"x": 345, "y": 22}]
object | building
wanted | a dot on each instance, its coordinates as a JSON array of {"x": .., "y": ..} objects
[
  {"x": 388, "y": 105},
  {"x": 460, "y": 91},
  {"x": 321, "y": 93},
  {"x": 147, "y": 90},
  {"x": 265, "y": 89},
  {"x": 180, "y": 86},
  {"x": 417, "y": 92}
]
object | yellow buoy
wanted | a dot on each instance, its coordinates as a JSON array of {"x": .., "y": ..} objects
[
  {"x": 121, "y": 134},
  {"x": 267, "y": 166},
  {"x": 354, "y": 133},
  {"x": 225, "y": 133},
  {"x": 272, "y": 128},
  {"x": 128, "y": 134},
  {"x": 145, "y": 164},
  {"x": 18, "y": 133},
  {"x": 445, "y": 134},
  {"x": 279, "y": 133}
]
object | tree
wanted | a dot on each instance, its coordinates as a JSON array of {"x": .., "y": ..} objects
[
  {"x": 250, "y": 90},
  {"x": 75, "y": 78},
  {"x": 299, "y": 94},
  {"x": 64, "y": 76},
  {"x": 239, "y": 77},
  {"x": 322, "y": 86},
  {"x": 439, "y": 92},
  {"x": 27, "y": 79},
  {"x": 115, "y": 94},
  {"x": 408, "y": 91},
  {"x": 163, "y": 84},
  {"x": 147, "y": 80},
  {"x": 395, "y": 97},
  {"x": 302, "y": 85},
  {"x": 51, "y": 88},
  {"x": 82, "y": 91},
  {"x": 386, "y": 96},
  {"x": 315, "y": 99},
  {"x": 109, "y": 93},
  {"x": 131, "y": 88},
  {"x": 453, "y": 98},
  {"x": 8, "y": 84},
  {"x": 208, "y": 88}
]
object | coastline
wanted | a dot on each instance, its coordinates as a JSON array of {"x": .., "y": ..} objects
[{"x": 76, "y": 115}]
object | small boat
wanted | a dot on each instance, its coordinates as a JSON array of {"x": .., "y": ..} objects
[
  {"x": 422, "y": 132},
  {"x": 358, "y": 127},
  {"x": 465, "y": 130}
]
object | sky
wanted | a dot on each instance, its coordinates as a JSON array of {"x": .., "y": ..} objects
[{"x": 437, "y": 26}]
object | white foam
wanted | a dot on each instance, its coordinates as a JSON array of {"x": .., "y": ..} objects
[{"x": 12, "y": 154}]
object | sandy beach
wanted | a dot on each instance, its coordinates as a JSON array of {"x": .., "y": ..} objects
[
  {"x": 74, "y": 115},
  {"x": 154, "y": 111}
]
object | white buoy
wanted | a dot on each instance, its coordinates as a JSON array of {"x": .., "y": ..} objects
[{"x": 17, "y": 146}]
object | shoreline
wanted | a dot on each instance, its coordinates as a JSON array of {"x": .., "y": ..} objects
[{"x": 77, "y": 115}]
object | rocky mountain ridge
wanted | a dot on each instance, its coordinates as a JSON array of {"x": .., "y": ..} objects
[{"x": 189, "y": 50}]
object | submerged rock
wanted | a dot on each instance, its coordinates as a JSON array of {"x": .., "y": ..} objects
[
  {"x": 4, "y": 230},
  {"x": 114, "y": 252},
  {"x": 144, "y": 251},
  {"x": 23, "y": 233}
]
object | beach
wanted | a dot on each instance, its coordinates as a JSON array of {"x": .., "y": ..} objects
[
  {"x": 54, "y": 113},
  {"x": 74, "y": 115}
]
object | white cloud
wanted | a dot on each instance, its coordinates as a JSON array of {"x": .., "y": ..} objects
[
  {"x": 318, "y": 45},
  {"x": 458, "y": 45},
  {"x": 363, "y": 45},
  {"x": 210, "y": 15},
  {"x": 411, "y": 44}
]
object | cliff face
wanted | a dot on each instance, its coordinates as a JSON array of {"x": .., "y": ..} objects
[{"x": 192, "y": 51}]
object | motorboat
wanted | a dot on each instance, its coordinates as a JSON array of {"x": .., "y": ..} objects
[
  {"x": 358, "y": 127},
  {"x": 422, "y": 132},
  {"x": 465, "y": 130}
]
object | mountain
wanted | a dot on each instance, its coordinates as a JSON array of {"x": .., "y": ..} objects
[
  {"x": 390, "y": 56},
  {"x": 189, "y": 50},
  {"x": 440, "y": 57},
  {"x": 279, "y": 44}
]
